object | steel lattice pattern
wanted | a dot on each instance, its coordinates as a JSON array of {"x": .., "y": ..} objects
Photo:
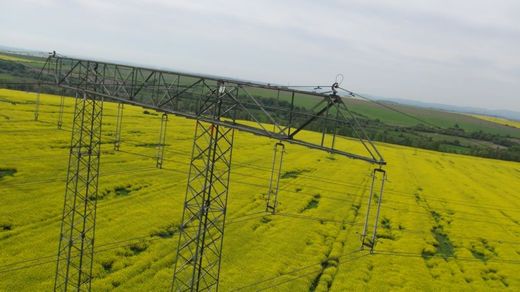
[
  {"x": 219, "y": 106},
  {"x": 76, "y": 247},
  {"x": 202, "y": 230}
]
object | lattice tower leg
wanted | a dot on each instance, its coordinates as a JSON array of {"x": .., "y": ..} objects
[
  {"x": 197, "y": 266},
  {"x": 76, "y": 244}
]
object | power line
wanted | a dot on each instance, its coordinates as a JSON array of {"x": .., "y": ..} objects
[
  {"x": 307, "y": 274},
  {"x": 390, "y": 191},
  {"x": 400, "y": 193},
  {"x": 292, "y": 182},
  {"x": 457, "y": 237},
  {"x": 284, "y": 188},
  {"x": 293, "y": 272},
  {"x": 353, "y": 94},
  {"x": 296, "y": 192},
  {"x": 251, "y": 216},
  {"x": 467, "y": 259},
  {"x": 148, "y": 238}
]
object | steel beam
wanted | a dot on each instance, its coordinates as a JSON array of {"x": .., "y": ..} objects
[
  {"x": 274, "y": 182},
  {"x": 332, "y": 100},
  {"x": 376, "y": 190},
  {"x": 162, "y": 142}
]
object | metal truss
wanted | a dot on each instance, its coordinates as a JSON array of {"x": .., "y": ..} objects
[
  {"x": 219, "y": 106},
  {"x": 119, "y": 122},
  {"x": 162, "y": 142},
  {"x": 197, "y": 265},
  {"x": 76, "y": 244},
  {"x": 274, "y": 182},
  {"x": 180, "y": 93},
  {"x": 377, "y": 192}
]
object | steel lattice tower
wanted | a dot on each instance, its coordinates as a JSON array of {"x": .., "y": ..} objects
[
  {"x": 199, "y": 251},
  {"x": 76, "y": 245},
  {"x": 218, "y": 110}
]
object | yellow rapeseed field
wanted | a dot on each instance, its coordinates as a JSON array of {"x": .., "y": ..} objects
[
  {"x": 498, "y": 120},
  {"x": 448, "y": 222},
  {"x": 13, "y": 58}
]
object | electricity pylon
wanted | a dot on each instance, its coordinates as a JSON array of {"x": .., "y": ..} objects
[
  {"x": 201, "y": 237},
  {"x": 76, "y": 244}
]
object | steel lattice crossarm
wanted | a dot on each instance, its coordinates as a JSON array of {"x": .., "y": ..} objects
[
  {"x": 219, "y": 106},
  {"x": 273, "y": 111}
]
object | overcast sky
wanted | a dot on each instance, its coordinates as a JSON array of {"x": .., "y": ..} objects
[{"x": 454, "y": 52}]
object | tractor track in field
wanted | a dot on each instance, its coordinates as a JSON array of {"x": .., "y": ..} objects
[{"x": 332, "y": 260}]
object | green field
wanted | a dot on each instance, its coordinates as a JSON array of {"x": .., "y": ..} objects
[
  {"x": 449, "y": 222},
  {"x": 383, "y": 121},
  {"x": 439, "y": 118},
  {"x": 28, "y": 60}
]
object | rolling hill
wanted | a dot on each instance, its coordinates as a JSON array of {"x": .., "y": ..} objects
[{"x": 383, "y": 121}]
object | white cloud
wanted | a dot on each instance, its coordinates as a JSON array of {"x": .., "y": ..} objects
[{"x": 437, "y": 50}]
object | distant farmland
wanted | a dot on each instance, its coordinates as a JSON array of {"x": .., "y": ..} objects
[
  {"x": 385, "y": 122},
  {"x": 501, "y": 121},
  {"x": 449, "y": 222}
]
